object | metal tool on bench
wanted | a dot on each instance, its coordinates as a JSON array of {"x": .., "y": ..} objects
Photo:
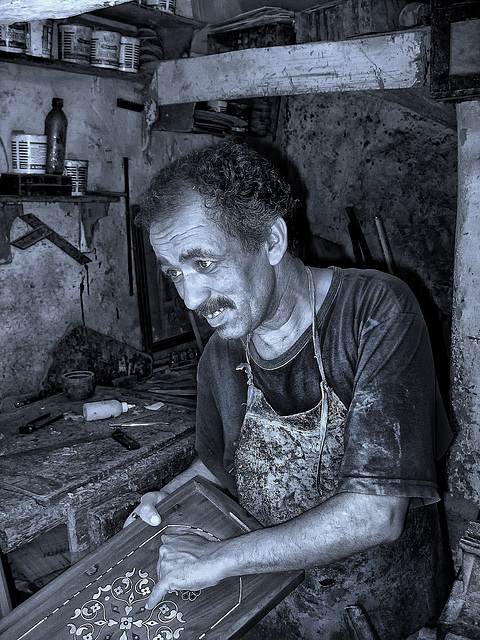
[{"x": 39, "y": 422}]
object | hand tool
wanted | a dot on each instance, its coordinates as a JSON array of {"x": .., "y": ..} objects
[
  {"x": 125, "y": 440},
  {"x": 56, "y": 238},
  {"x": 39, "y": 422}
]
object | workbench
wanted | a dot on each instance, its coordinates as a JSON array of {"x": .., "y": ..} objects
[{"x": 72, "y": 472}]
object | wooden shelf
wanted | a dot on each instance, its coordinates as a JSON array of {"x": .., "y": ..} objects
[
  {"x": 70, "y": 67},
  {"x": 104, "y": 196}
]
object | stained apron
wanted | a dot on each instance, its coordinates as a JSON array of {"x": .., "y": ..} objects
[{"x": 285, "y": 465}]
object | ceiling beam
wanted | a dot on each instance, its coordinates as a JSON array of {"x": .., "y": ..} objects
[
  {"x": 387, "y": 61},
  {"x": 29, "y": 10}
]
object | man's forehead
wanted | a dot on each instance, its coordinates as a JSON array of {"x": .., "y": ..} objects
[{"x": 182, "y": 245}]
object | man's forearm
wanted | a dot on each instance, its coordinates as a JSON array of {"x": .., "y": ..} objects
[{"x": 344, "y": 525}]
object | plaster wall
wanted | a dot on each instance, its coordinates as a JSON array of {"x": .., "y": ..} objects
[
  {"x": 43, "y": 291},
  {"x": 383, "y": 160}
]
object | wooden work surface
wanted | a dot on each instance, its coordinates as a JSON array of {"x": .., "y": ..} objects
[
  {"x": 103, "y": 595},
  {"x": 56, "y": 472}
]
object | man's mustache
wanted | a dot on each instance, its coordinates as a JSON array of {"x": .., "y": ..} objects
[{"x": 214, "y": 304}]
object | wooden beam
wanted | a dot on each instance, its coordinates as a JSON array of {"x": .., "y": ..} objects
[
  {"x": 387, "y": 61},
  {"x": 29, "y": 10}
]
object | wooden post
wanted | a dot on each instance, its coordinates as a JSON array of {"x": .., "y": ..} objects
[{"x": 464, "y": 477}]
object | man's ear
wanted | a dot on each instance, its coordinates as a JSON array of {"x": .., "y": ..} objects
[{"x": 277, "y": 241}]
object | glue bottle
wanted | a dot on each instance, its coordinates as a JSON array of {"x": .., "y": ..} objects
[{"x": 104, "y": 409}]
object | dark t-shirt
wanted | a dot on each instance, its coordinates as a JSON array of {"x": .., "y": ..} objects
[{"x": 377, "y": 358}]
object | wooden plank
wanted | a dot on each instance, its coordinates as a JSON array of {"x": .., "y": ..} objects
[
  {"x": 106, "y": 591},
  {"x": 388, "y": 61},
  {"x": 27, "y": 10}
]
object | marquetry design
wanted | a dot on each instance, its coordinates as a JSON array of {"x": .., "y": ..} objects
[{"x": 117, "y": 610}]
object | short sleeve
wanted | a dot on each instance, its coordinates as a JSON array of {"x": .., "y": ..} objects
[{"x": 390, "y": 426}]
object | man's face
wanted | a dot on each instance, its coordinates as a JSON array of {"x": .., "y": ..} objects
[{"x": 213, "y": 274}]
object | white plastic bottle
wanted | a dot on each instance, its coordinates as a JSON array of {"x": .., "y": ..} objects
[{"x": 104, "y": 409}]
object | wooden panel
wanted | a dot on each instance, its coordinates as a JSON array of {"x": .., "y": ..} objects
[
  {"x": 465, "y": 48},
  {"x": 392, "y": 61},
  {"x": 455, "y": 70},
  {"x": 104, "y": 594}
]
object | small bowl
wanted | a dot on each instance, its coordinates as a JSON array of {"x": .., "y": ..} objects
[{"x": 78, "y": 385}]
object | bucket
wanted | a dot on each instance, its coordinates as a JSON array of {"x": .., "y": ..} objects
[
  {"x": 39, "y": 38},
  {"x": 105, "y": 49},
  {"x": 77, "y": 170},
  {"x": 162, "y": 5},
  {"x": 29, "y": 153},
  {"x": 129, "y": 54},
  {"x": 13, "y": 37},
  {"x": 74, "y": 42}
]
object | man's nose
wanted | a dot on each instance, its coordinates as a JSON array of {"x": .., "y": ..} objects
[{"x": 193, "y": 290}]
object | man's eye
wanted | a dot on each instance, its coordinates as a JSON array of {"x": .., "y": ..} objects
[
  {"x": 204, "y": 264},
  {"x": 173, "y": 273}
]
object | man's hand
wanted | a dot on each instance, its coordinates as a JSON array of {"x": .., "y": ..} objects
[
  {"x": 187, "y": 560},
  {"x": 146, "y": 509}
]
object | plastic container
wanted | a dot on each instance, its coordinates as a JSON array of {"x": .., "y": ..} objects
[
  {"x": 13, "y": 37},
  {"x": 78, "y": 171},
  {"x": 105, "y": 49},
  {"x": 39, "y": 38},
  {"x": 74, "y": 42},
  {"x": 56, "y": 131},
  {"x": 29, "y": 153},
  {"x": 129, "y": 54},
  {"x": 104, "y": 409}
]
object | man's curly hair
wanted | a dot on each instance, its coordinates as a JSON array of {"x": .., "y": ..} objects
[{"x": 242, "y": 192}]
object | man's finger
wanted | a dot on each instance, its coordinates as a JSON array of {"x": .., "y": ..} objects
[{"x": 159, "y": 591}]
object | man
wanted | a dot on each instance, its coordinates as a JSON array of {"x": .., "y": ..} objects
[{"x": 316, "y": 407}]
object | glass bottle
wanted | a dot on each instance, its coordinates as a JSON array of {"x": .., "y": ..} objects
[{"x": 56, "y": 131}]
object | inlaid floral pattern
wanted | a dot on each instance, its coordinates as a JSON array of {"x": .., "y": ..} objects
[{"x": 117, "y": 612}]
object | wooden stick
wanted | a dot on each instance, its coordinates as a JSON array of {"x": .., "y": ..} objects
[{"x": 387, "y": 254}]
